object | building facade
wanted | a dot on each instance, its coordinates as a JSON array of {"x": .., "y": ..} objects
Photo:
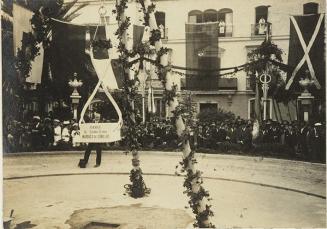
[{"x": 242, "y": 26}]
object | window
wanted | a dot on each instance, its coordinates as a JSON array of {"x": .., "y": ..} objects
[
  {"x": 161, "y": 22},
  {"x": 261, "y": 12},
  {"x": 210, "y": 16},
  {"x": 225, "y": 19},
  {"x": 160, "y": 18},
  {"x": 160, "y": 108},
  {"x": 310, "y": 8},
  {"x": 261, "y": 21},
  {"x": 195, "y": 16}
]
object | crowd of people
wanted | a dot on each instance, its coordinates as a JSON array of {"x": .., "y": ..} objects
[
  {"x": 306, "y": 139},
  {"x": 301, "y": 138}
]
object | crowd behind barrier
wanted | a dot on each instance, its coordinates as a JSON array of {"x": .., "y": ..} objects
[{"x": 306, "y": 141}]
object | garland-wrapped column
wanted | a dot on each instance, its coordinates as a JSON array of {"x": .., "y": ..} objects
[
  {"x": 137, "y": 188},
  {"x": 199, "y": 197}
]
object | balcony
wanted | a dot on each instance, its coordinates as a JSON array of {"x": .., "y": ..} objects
[
  {"x": 260, "y": 29},
  {"x": 225, "y": 31},
  {"x": 164, "y": 33}
]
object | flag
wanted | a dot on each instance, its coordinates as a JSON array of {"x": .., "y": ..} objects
[
  {"x": 307, "y": 50},
  {"x": 69, "y": 45},
  {"x": 100, "y": 58},
  {"x": 202, "y": 52},
  {"x": 21, "y": 27},
  {"x": 151, "y": 105}
]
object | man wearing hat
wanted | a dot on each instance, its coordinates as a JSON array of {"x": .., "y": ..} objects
[
  {"x": 57, "y": 132},
  {"x": 47, "y": 133},
  {"x": 75, "y": 135},
  {"x": 94, "y": 146},
  {"x": 65, "y": 132},
  {"x": 316, "y": 142},
  {"x": 36, "y": 139}
]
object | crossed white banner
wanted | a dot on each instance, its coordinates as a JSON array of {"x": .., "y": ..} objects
[{"x": 306, "y": 50}]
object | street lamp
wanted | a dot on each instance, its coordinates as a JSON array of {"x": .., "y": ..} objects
[{"x": 75, "y": 97}]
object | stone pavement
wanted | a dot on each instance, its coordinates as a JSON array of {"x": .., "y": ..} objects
[{"x": 49, "y": 190}]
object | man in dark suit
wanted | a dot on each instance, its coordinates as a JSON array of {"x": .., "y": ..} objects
[
  {"x": 36, "y": 133},
  {"x": 94, "y": 146}
]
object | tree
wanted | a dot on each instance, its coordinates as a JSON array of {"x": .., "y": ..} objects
[{"x": 11, "y": 83}]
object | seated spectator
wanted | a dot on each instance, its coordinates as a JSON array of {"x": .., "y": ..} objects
[
  {"x": 66, "y": 133},
  {"x": 75, "y": 135},
  {"x": 57, "y": 132}
]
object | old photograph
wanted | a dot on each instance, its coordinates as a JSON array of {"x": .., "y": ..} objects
[{"x": 163, "y": 114}]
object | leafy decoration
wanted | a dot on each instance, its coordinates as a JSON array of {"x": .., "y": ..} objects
[
  {"x": 102, "y": 44},
  {"x": 155, "y": 36},
  {"x": 186, "y": 111},
  {"x": 131, "y": 113}
]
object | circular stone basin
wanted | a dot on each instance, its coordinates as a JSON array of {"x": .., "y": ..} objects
[
  {"x": 133, "y": 216},
  {"x": 75, "y": 201}
]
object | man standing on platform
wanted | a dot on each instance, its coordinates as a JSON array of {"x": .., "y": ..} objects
[{"x": 94, "y": 146}]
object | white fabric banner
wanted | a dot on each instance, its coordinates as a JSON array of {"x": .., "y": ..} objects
[{"x": 37, "y": 66}]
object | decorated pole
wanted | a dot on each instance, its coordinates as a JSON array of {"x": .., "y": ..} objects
[
  {"x": 265, "y": 79},
  {"x": 137, "y": 188},
  {"x": 199, "y": 197}
]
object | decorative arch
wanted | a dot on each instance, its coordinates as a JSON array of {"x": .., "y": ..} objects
[
  {"x": 225, "y": 10},
  {"x": 195, "y": 16}
]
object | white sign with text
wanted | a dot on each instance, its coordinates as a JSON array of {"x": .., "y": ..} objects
[{"x": 99, "y": 132}]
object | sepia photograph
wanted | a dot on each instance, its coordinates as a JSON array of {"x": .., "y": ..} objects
[{"x": 163, "y": 114}]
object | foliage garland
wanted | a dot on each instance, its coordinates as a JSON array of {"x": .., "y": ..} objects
[
  {"x": 181, "y": 111},
  {"x": 137, "y": 188},
  {"x": 267, "y": 55}
]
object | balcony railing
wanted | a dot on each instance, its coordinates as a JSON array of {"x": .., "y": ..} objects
[
  {"x": 164, "y": 34},
  {"x": 260, "y": 29},
  {"x": 225, "y": 31}
]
